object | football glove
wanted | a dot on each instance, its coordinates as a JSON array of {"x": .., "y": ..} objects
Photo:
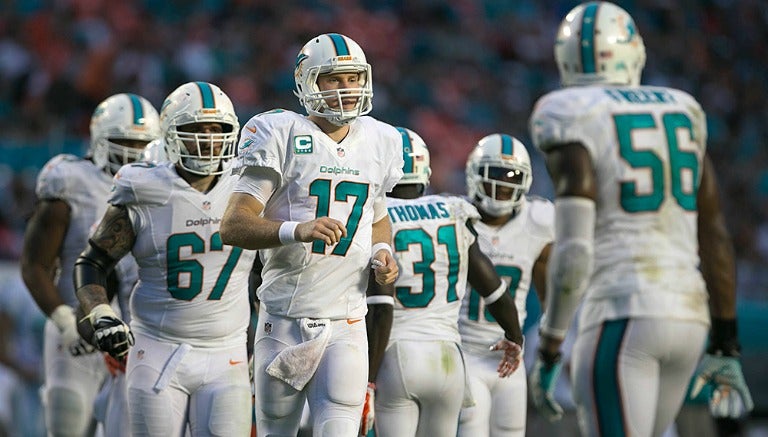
[
  {"x": 366, "y": 424},
  {"x": 543, "y": 379},
  {"x": 110, "y": 334},
  {"x": 721, "y": 377},
  {"x": 64, "y": 319}
]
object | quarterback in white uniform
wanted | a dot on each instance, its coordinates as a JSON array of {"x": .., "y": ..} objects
[
  {"x": 516, "y": 233},
  {"x": 421, "y": 384},
  {"x": 639, "y": 233},
  {"x": 311, "y": 199},
  {"x": 190, "y": 310},
  {"x": 72, "y": 195}
]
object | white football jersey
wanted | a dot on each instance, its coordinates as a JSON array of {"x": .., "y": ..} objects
[
  {"x": 647, "y": 146},
  {"x": 320, "y": 177},
  {"x": 192, "y": 288},
  {"x": 85, "y": 188},
  {"x": 431, "y": 242},
  {"x": 513, "y": 248}
]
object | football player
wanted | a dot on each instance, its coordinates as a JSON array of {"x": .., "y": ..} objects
[
  {"x": 639, "y": 235},
  {"x": 516, "y": 232},
  {"x": 190, "y": 310},
  {"x": 72, "y": 194},
  {"x": 421, "y": 385},
  {"x": 311, "y": 195}
]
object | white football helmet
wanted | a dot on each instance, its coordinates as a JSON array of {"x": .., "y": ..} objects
[
  {"x": 598, "y": 43},
  {"x": 416, "y": 168},
  {"x": 332, "y": 53},
  {"x": 121, "y": 117},
  {"x": 498, "y": 160},
  {"x": 155, "y": 152},
  {"x": 199, "y": 102}
]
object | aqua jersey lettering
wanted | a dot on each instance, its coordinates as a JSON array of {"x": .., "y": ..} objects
[
  {"x": 339, "y": 170},
  {"x": 640, "y": 96},
  {"x": 430, "y": 211}
]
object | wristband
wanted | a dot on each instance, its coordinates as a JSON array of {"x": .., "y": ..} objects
[
  {"x": 723, "y": 338},
  {"x": 496, "y": 295},
  {"x": 379, "y": 246},
  {"x": 287, "y": 232},
  {"x": 380, "y": 299}
]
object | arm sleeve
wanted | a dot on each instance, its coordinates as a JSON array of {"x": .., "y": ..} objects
[
  {"x": 259, "y": 182},
  {"x": 571, "y": 263}
]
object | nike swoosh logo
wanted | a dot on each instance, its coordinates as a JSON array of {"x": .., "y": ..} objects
[
  {"x": 234, "y": 363},
  {"x": 252, "y": 129},
  {"x": 353, "y": 321}
]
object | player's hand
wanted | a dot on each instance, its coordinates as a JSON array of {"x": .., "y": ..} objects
[
  {"x": 366, "y": 424},
  {"x": 513, "y": 355},
  {"x": 326, "y": 229},
  {"x": 65, "y": 320},
  {"x": 81, "y": 347},
  {"x": 728, "y": 392},
  {"x": 543, "y": 379},
  {"x": 384, "y": 267},
  {"x": 110, "y": 334}
]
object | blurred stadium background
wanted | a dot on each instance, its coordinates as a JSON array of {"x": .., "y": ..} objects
[{"x": 453, "y": 71}]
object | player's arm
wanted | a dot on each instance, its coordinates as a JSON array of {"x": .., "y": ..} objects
[
  {"x": 569, "y": 266},
  {"x": 716, "y": 249},
  {"x": 539, "y": 274},
  {"x": 384, "y": 264},
  {"x": 43, "y": 240},
  {"x": 379, "y": 325},
  {"x": 483, "y": 278},
  {"x": 244, "y": 226},
  {"x": 720, "y": 366},
  {"x": 254, "y": 281},
  {"x": 112, "y": 240}
]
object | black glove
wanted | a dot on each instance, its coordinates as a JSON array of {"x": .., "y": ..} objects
[{"x": 110, "y": 334}]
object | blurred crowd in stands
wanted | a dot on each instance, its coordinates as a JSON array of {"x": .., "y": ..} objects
[{"x": 452, "y": 70}]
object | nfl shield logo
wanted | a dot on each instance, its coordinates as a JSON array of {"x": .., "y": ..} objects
[
  {"x": 268, "y": 328},
  {"x": 340, "y": 152},
  {"x": 206, "y": 205},
  {"x": 140, "y": 354}
]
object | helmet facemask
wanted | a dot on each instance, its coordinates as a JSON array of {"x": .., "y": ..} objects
[
  {"x": 501, "y": 187},
  {"x": 118, "y": 155},
  {"x": 202, "y": 153}
]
